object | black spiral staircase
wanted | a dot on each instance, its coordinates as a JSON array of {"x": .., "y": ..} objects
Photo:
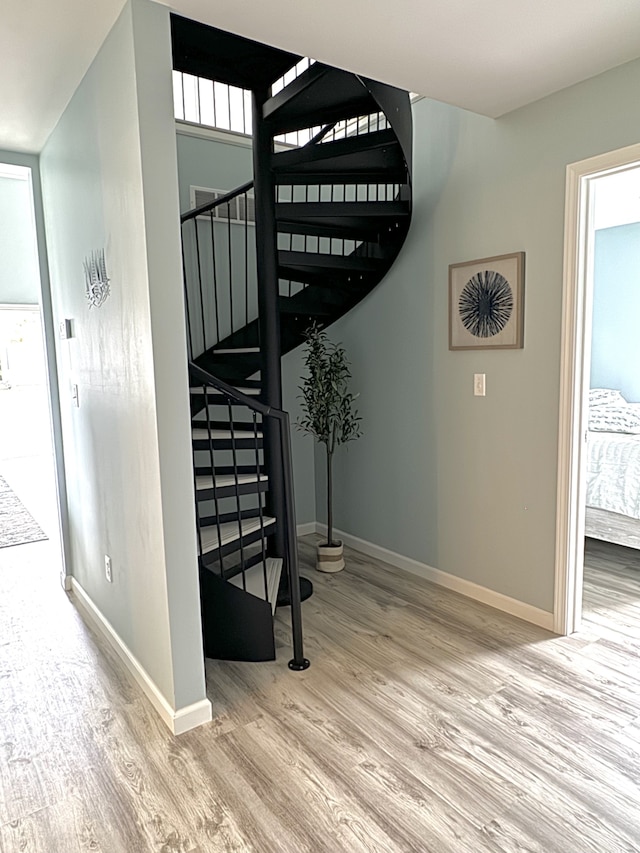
[{"x": 330, "y": 218}]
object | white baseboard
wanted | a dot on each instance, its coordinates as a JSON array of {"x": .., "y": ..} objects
[
  {"x": 305, "y": 529},
  {"x": 178, "y": 721},
  {"x": 527, "y": 612},
  {"x": 191, "y": 716}
]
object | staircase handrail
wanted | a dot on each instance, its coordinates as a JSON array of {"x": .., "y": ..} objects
[
  {"x": 243, "y": 188},
  {"x": 210, "y": 205},
  {"x": 298, "y": 662},
  {"x": 209, "y": 379}
]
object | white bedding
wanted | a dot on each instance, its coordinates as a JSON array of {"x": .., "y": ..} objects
[{"x": 613, "y": 472}]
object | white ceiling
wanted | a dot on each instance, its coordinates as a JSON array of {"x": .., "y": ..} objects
[{"x": 490, "y": 57}]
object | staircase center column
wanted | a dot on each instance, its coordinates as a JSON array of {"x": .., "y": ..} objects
[
  {"x": 269, "y": 316},
  {"x": 267, "y": 255}
]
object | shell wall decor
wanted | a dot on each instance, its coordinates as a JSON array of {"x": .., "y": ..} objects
[{"x": 96, "y": 279}]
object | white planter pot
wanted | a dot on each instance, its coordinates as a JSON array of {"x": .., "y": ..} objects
[{"x": 330, "y": 558}]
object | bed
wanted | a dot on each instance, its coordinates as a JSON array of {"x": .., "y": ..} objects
[{"x": 613, "y": 469}]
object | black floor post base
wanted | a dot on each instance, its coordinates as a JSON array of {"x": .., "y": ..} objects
[
  {"x": 299, "y": 666},
  {"x": 284, "y": 597}
]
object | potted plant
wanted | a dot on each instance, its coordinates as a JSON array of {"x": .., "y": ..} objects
[{"x": 330, "y": 416}]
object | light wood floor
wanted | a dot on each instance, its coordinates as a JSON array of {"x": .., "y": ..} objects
[{"x": 426, "y": 723}]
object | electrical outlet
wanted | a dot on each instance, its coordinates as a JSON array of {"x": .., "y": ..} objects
[
  {"x": 107, "y": 568},
  {"x": 479, "y": 384}
]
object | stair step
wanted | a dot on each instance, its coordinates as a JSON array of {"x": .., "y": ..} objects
[
  {"x": 347, "y": 219},
  {"x": 366, "y": 158},
  {"x": 222, "y": 470},
  {"x": 320, "y": 95},
  {"x": 205, "y": 51},
  {"x": 304, "y": 307},
  {"x": 213, "y": 392},
  {"x": 230, "y": 533},
  {"x": 207, "y": 481},
  {"x": 232, "y": 370},
  {"x": 228, "y": 485},
  {"x": 200, "y": 432},
  {"x": 200, "y": 421},
  {"x": 209, "y": 418},
  {"x": 296, "y": 210},
  {"x": 225, "y": 439},
  {"x": 351, "y": 283},
  {"x": 236, "y": 351},
  {"x": 254, "y": 580},
  {"x": 291, "y": 264},
  {"x": 200, "y": 403},
  {"x": 249, "y": 356}
]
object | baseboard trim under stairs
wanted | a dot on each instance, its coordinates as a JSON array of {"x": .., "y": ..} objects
[
  {"x": 526, "y": 612},
  {"x": 178, "y": 721}
]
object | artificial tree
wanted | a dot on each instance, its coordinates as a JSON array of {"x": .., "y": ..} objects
[{"x": 327, "y": 404}]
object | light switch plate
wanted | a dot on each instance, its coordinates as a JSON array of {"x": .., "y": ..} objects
[
  {"x": 479, "y": 384},
  {"x": 66, "y": 329}
]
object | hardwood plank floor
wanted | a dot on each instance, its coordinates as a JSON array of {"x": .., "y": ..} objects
[{"x": 426, "y": 722}]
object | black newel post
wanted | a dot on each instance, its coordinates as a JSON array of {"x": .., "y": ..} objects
[
  {"x": 276, "y": 430},
  {"x": 269, "y": 319}
]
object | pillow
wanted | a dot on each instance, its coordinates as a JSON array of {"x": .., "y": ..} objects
[
  {"x": 624, "y": 419},
  {"x": 605, "y": 397}
]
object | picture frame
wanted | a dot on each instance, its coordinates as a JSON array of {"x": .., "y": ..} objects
[{"x": 486, "y": 303}]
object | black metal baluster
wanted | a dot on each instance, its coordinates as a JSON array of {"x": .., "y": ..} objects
[
  {"x": 298, "y": 662},
  {"x": 204, "y": 331},
  {"x": 230, "y": 266},
  {"x": 215, "y": 276},
  {"x": 263, "y": 541},
  {"x": 234, "y": 459},
  {"x": 213, "y": 483},
  {"x": 186, "y": 298},
  {"x": 286, "y": 519},
  {"x": 195, "y": 491},
  {"x": 244, "y": 116},
  {"x": 246, "y": 255}
]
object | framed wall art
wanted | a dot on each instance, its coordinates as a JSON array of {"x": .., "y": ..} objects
[{"x": 486, "y": 303}]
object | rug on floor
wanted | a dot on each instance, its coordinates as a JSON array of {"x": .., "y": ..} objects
[{"x": 17, "y": 525}]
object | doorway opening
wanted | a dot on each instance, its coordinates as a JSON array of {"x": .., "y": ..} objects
[
  {"x": 28, "y": 492},
  {"x": 594, "y": 421}
]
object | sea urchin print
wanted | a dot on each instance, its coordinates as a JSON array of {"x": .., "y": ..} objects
[{"x": 485, "y": 304}]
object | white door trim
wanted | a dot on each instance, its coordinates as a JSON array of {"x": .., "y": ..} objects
[{"x": 575, "y": 358}]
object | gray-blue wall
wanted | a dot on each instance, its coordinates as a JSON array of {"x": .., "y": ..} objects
[
  {"x": 108, "y": 176},
  {"x": 468, "y": 484},
  {"x": 204, "y": 162},
  {"x": 615, "y": 345},
  {"x": 223, "y": 164}
]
